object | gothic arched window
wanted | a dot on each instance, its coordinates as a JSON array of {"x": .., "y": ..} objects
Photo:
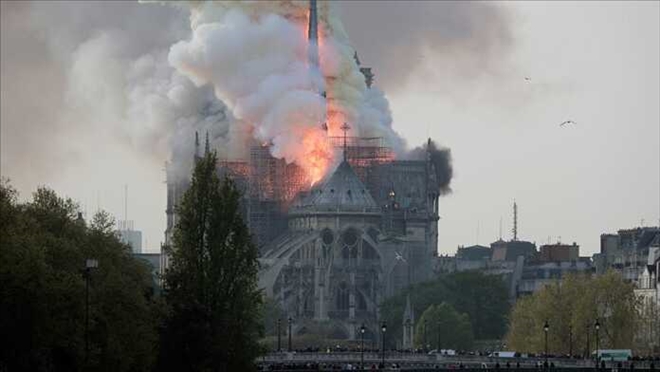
[{"x": 342, "y": 299}]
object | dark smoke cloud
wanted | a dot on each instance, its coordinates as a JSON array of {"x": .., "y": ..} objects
[
  {"x": 396, "y": 37},
  {"x": 441, "y": 159}
]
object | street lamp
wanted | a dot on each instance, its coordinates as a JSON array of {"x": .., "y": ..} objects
[
  {"x": 290, "y": 322},
  {"x": 588, "y": 355},
  {"x": 409, "y": 332},
  {"x": 570, "y": 340},
  {"x": 424, "y": 347},
  {"x": 362, "y": 329},
  {"x": 279, "y": 335},
  {"x": 90, "y": 264},
  {"x": 439, "y": 346},
  {"x": 546, "y": 327},
  {"x": 383, "y": 328},
  {"x": 597, "y": 327}
]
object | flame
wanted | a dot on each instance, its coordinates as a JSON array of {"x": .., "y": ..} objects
[{"x": 318, "y": 154}]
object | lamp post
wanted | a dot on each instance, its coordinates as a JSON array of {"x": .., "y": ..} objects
[
  {"x": 290, "y": 322},
  {"x": 588, "y": 355},
  {"x": 597, "y": 327},
  {"x": 439, "y": 346},
  {"x": 409, "y": 333},
  {"x": 570, "y": 340},
  {"x": 424, "y": 346},
  {"x": 383, "y": 328},
  {"x": 546, "y": 327},
  {"x": 90, "y": 264},
  {"x": 279, "y": 334},
  {"x": 362, "y": 329}
]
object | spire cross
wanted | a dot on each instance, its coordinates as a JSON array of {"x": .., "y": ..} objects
[{"x": 345, "y": 127}]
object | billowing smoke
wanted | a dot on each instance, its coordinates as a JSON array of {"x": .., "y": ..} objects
[
  {"x": 256, "y": 57},
  {"x": 145, "y": 77},
  {"x": 105, "y": 76},
  {"x": 465, "y": 38},
  {"x": 440, "y": 157}
]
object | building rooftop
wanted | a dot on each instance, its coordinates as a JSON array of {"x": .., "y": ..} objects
[{"x": 343, "y": 191}]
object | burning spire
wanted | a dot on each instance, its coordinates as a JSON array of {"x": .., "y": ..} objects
[
  {"x": 313, "y": 35},
  {"x": 232, "y": 49},
  {"x": 313, "y": 48}
]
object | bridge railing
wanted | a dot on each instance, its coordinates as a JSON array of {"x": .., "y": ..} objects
[{"x": 451, "y": 361}]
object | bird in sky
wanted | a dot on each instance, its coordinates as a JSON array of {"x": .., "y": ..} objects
[
  {"x": 567, "y": 122},
  {"x": 399, "y": 257}
]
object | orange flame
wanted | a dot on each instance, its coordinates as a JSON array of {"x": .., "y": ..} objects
[
  {"x": 318, "y": 154},
  {"x": 317, "y": 150}
]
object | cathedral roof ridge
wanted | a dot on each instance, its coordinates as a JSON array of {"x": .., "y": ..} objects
[{"x": 342, "y": 191}]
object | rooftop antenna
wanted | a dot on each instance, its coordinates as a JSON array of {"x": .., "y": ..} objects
[
  {"x": 515, "y": 221},
  {"x": 345, "y": 127},
  {"x": 500, "y": 227},
  {"x": 126, "y": 206}
]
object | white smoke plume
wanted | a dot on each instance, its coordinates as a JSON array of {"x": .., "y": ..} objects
[
  {"x": 101, "y": 69},
  {"x": 255, "y": 55},
  {"x": 88, "y": 91}
]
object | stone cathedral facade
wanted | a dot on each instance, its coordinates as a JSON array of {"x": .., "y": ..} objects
[{"x": 345, "y": 249}]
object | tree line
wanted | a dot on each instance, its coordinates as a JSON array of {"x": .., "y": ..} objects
[
  {"x": 211, "y": 314},
  {"x": 583, "y": 312},
  {"x": 459, "y": 307},
  {"x": 207, "y": 319}
]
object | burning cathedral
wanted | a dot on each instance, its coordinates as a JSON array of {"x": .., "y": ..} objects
[{"x": 334, "y": 244}]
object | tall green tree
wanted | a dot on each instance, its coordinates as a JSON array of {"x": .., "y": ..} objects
[
  {"x": 444, "y": 325},
  {"x": 43, "y": 247},
  {"x": 211, "y": 286}
]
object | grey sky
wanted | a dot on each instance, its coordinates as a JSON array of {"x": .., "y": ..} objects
[{"x": 452, "y": 71}]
